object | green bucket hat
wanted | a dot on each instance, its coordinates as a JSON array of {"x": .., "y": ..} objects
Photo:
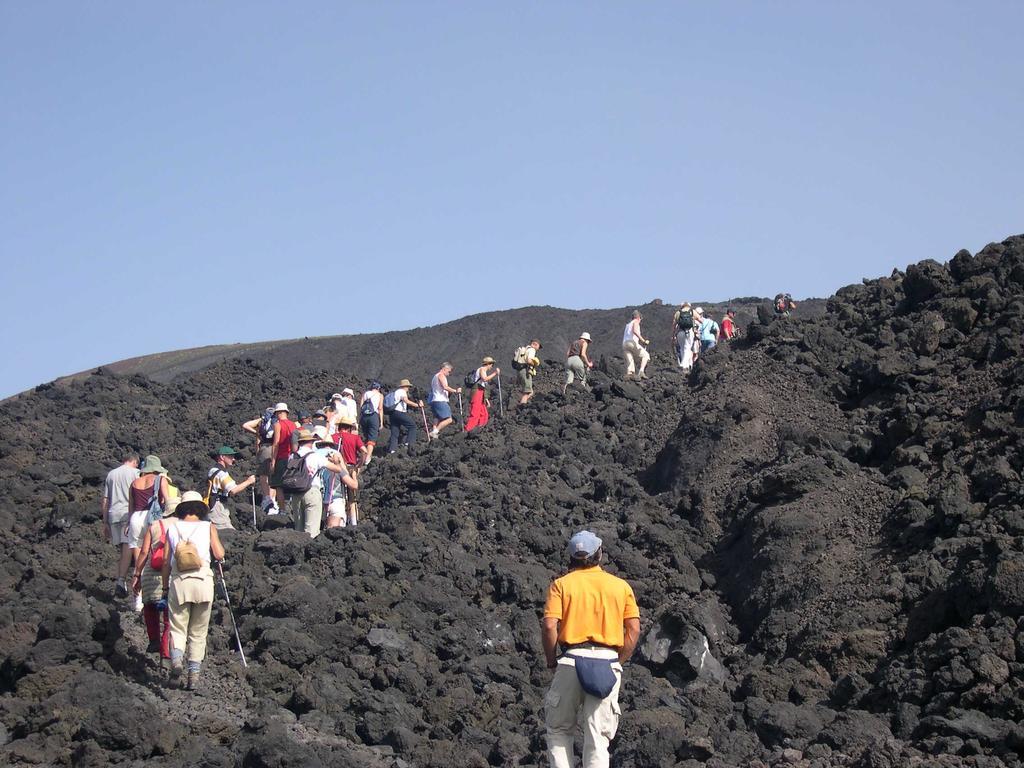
[
  {"x": 151, "y": 464},
  {"x": 226, "y": 450}
]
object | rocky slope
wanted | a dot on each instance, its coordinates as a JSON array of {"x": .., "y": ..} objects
[{"x": 822, "y": 525}]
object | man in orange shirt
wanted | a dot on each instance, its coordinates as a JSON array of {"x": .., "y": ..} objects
[{"x": 594, "y": 617}]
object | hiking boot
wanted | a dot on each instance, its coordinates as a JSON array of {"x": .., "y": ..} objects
[
  {"x": 644, "y": 376},
  {"x": 153, "y": 647},
  {"x": 192, "y": 681},
  {"x": 177, "y": 669},
  {"x": 120, "y": 588}
]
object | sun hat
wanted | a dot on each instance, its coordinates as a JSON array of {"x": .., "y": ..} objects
[
  {"x": 335, "y": 396},
  {"x": 405, "y": 383},
  {"x": 346, "y": 421},
  {"x": 583, "y": 544},
  {"x": 281, "y": 407},
  {"x": 305, "y": 436},
  {"x": 192, "y": 503},
  {"x": 348, "y": 391},
  {"x": 585, "y": 336},
  {"x": 685, "y": 305},
  {"x": 226, "y": 450},
  {"x": 699, "y": 310},
  {"x": 488, "y": 360},
  {"x": 151, "y": 464},
  {"x": 537, "y": 342}
]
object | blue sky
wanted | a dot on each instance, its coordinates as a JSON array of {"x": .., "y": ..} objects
[{"x": 193, "y": 173}]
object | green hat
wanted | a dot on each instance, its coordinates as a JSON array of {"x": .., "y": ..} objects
[
  {"x": 227, "y": 450},
  {"x": 151, "y": 464}
]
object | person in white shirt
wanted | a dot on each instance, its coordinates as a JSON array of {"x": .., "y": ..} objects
[
  {"x": 309, "y": 511},
  {"x": 401, "y": 421},
  {"x": 439, "y": 392},
  {"x": 371, "y": 417},
  {"x": 633, "y": 348},
  {"x": 115, "y": 511},
  {"x": 345, "y": 405}
]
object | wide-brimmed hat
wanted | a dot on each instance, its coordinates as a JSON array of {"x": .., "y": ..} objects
[
  {"x": 226, "y": 450},
  {"x": 348, "y": 391},
  {"x": 405, "y": 383},
  {"x": 488, "y": 360},
  {"x": 305, "y": 436},
  {"x": 151, "y": 464},
  {"x": 281, "y": 407},
  {"x": 537, "y": 342},
  {"x": 335, "y": 396},
  {"x": 585, "y": 336},
  {"x": 346, "y": 421},
  {"x": 685, "y": 305},
  {"x": 192, "y": 503}
]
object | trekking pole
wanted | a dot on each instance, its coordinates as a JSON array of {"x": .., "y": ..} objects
[
  {"x": 253, "y": 507},
  {"x": 227, "y": 600},
  {"x": 423, "y": 413},
  {"x": 462, "y": 416},
  {"x": 501, "y": 400}
]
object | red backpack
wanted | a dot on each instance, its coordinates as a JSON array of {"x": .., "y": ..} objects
[{"x": 158, "y": 550}]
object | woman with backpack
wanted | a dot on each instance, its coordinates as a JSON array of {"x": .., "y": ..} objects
[
  {"x": 148, "y": 584},
  {"x": 371, "y": 417},
  {"x": 187, "y": 580},
  {"x": 479, "y": 414},
  {"x": 147, "y": 498}
]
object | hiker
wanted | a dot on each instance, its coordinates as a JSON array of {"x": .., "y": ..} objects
[
  {"x": 707, "y": 331},
  {"x": 783, "y": 305},
  {"x": 187, "y": 580},
  {"x": 221, "y": 486},
  {"x": 263, "y": 428},
  {"x": 371, "y": 417},
  {"x": 578, "y": 361},
  {"x": 305, "y": 422},
  {"x": 309, "y": 511},
  {"x": 148, "y": 498},
  {"x": 682, "y": 334},
  {"x": 479, "y": 404},
  {"x": 345, "y": 404},
  {"x": 593, "y": 615},
  {"x": 281, "y": 444},
  {"x": 398, "y": 403},
  {"x": 729, "y": 324},
  {"x": 525, "y": 362},
  {"x": 633, "y": 347},
  {"x": 342, "y": 503},
  {"x": 114, "y": 508},
  {"x": 440, "y": 391},
  {"x": 147, "y": 582}
]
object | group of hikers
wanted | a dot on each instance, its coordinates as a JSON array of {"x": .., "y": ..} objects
[{"x": 169, "y": 542}]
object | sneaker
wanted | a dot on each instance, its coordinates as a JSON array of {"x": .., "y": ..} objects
[
  {"x": 433, "y": 434},
  {"x": 137, "y": 604},
  {"x": 120, "y": 588}
]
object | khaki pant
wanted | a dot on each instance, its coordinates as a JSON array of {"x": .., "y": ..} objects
[
  {"x": 308, "y": 511},
  {"x": 190, "y": 615},
  {"x": 634, "y": 351},
  {"x": 574, "y": 367},
  {"x": 566, "y": 704}
]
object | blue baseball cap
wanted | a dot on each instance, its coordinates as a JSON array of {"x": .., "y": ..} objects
[{"x": 584, "y": 544}]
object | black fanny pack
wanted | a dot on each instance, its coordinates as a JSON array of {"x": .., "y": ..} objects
[{"x": 596, "y": 676}]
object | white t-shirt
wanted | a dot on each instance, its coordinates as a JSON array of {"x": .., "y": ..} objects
[
  {"x": 347, "y": 407},
  {"x": 401, "y": 400},
  {"x": 438, "y": 394},
  {"x": 117, "y": 489},
  {"x": 628, "y": 334},
  {"x": 196, "y": 531},
  {"x": 373, "y": 396},
  {"x": 315, "y": 461}
]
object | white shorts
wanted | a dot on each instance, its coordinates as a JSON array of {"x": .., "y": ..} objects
[
  {"x": 337, "y": 509},
  {"x": 137, "y": 528},
  {"x": 119, "y": 532}
]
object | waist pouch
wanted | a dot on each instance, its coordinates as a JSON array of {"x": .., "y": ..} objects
[{"x": 596, "y": 676}]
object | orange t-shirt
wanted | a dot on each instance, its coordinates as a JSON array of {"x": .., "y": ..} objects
[{"x": 591, "y": 606}]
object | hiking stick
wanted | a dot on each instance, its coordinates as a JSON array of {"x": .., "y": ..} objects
[
  {"x": 253, "y": 507},
  {"x": 227, "y": 601},
  {"x": 501, "y": 400},
  {"x": 462, "y": 416},
  {"x": 423, "y": 413}
]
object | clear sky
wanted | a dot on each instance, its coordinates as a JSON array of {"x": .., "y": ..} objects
[{"x": 189, "y": 173}]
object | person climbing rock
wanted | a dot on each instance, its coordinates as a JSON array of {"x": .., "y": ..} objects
[
  {"x": 342, "y": 497},
  {"x": 440, "y": 390},
  {"x": 729, "y": 324},
  {"x": 148, "y": 498},
  {"x": 281, "y": 446},
  {"x": 707, "y": 332},
  {"x": 526, "y": 362},
  {"x": 187, "y": 580},
  {"x": 682, "y": 334},
  {"x": 371, "y": 417},
  {"x": 263, "y": 428},
  {"x": 221, "y": 486},
  {"x": 403, "y": 426},
  {"x": 783, "y": 304},
  {"x": 594, "y": 617},
  {"x": 578, "y": 362},
  {"x": 147, "y": 582},
  {"x": 634, "y": 347},
  {"x": 115, "y": 509},
  {"x": 479, "y": 403}
]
